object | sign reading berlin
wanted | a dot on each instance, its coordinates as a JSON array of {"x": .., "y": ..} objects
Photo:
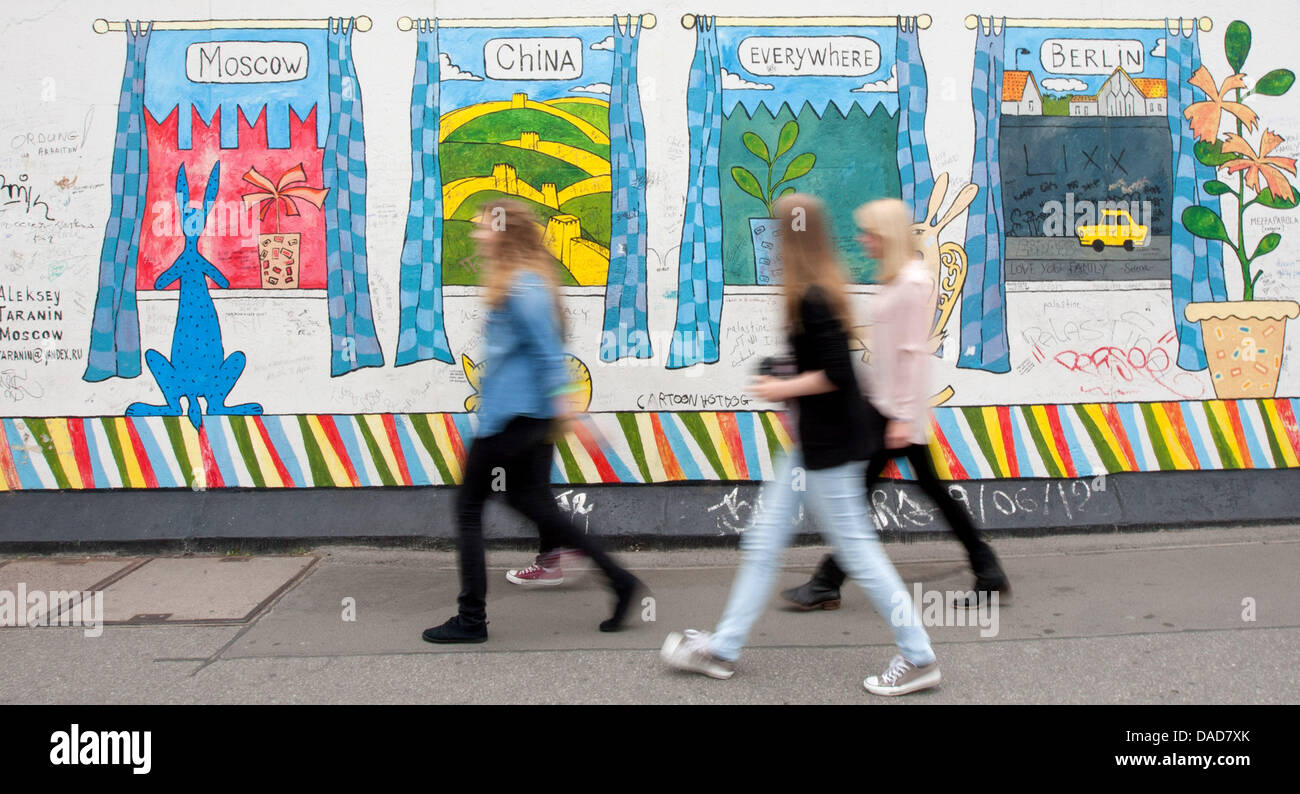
[{"x": 1093, "y": 56}]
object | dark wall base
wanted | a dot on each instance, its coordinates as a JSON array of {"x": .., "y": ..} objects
[{"x": 670, "y": 513}]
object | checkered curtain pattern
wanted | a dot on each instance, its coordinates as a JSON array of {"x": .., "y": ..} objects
[
  {"x": 913, "y": 155},
  {"x": 423, "y": 335},
  {"x": 115, "y": 329},
  {"x": 699, "y": 275},
  {"x": 625, "y": 331},
  {"x": 1196, "y": 264},
  {"x": 352, "y": 326},
  {"x": 984, "y": 298}
]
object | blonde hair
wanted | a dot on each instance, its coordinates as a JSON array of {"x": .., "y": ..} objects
[
  {"x": 808, "y": 258},
  {"x": 890, "y": 219},
  {"x": 515, "y": 244}
]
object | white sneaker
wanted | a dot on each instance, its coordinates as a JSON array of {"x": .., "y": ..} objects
[
  {"x": 902, "y": 677},
  {"x": 690, "y": 651}
]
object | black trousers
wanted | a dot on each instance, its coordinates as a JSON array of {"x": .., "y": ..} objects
[
  {"x": 517, "y": 464},
  {"x": 983, "y": 560}
]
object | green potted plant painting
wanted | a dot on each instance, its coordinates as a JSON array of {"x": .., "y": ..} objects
[
  {"x": 764, "y": 230},
  {"x": 1243, "y": 338}
]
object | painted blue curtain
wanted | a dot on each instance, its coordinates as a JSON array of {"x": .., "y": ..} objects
[
  {"x": 423, "y": 335},
  {"x": 352, "y": 327},
  {"x": 913, "y": 155},
  {"x": 699, "y": 275},
  {"x": 625, "y": 331},
  {"x": 984, "y": 298},
  {"x": 1196, "y": 265},
  {"x": 115, "y": 330}
]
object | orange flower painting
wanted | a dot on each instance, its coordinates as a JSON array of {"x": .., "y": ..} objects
[
  {"x": 1204, "y": 117},
  {"x": 1262, "y": 164}
]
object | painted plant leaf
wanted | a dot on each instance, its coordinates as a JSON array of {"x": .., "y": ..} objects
[
  {"x": 1204, "y": 223},
  {"x": 1267, "y": 198},
  {"x": 1236, "y": 44},
  {"x": 1268, "y": 243},
  {"x": 755, "y": 144},
  {"x": 789, "y": 134},
  {"x": 1211, "y": 154},
  {"x": 798, "y": 167},
  {"x": 747, "y": 182},
  {"x": 1275, "y": 83}
]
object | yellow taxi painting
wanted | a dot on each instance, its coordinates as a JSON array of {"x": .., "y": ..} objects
[{"x": 1116, "y": 228}]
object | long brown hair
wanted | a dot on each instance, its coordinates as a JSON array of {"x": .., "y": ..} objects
[
  {"x": 808, "y": 258},
  {"x": 509, "y": 240}
]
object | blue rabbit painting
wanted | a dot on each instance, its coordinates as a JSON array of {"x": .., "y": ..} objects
[{"x": 198, "y": 366}]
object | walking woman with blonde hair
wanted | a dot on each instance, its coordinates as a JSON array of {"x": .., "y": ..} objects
[
  {"x": 824, "y": 472},
  {"x": 523, "y": 405},
  {"x": 899, "y": 387}
]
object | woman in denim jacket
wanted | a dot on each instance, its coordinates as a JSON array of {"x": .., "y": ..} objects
[{"x": 523, "y": 407}]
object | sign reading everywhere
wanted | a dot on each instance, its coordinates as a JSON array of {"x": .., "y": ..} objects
[{"x": 839, "y": 56}]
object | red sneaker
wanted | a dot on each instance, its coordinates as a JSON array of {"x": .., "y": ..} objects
[{"x": 539, "y": 574}]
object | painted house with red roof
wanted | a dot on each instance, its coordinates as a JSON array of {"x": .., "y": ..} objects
[
  {"x": 1122, "y": 95},
  {"x": 1020, "y": 95}
]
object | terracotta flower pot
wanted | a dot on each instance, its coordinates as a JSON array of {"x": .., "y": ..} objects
[
  {"x": 1243, "y": 344},
  {"x": 277, "y": 258}
]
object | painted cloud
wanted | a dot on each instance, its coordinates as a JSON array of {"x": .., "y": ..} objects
[
  {"x": 881, "y": 85},
  {"x": 734, "y": 82},
  {"x": 450, "y": 71}
]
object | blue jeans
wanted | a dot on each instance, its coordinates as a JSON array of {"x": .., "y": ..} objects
[{"x": 837, "y": 499}]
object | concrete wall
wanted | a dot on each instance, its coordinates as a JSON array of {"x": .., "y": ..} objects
[{"x": 1102, "y": 374}]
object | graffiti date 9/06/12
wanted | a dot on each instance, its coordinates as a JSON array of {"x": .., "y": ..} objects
[{"x": 895, "y": 508}]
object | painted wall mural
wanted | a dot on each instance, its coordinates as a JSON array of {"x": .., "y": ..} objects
[
  {"x": 549, "y": 115},
  {"x": 281, "y": 99},
  {"x": 1108, "y": 209}
]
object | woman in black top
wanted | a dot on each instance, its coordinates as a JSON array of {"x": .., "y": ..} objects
[{"x": 826, "y": 466}]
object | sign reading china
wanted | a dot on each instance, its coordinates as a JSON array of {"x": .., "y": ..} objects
[
  {"x": 246, "y": 61},
  {"x": 549, "y": 58},
  {"x": 1092, "y": 56},
  {"x": 788, "y": 56}
]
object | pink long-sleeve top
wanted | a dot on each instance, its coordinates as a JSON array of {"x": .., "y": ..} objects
[{"x": 900, "y": 372}]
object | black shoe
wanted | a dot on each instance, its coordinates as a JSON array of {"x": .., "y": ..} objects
[
  {"x": 625, "y": 594},
  {"x": 456, "y": 631},
  {"x": 989, "y": 578},
  {"x": 813, "y": 595},
  {"x": 982, "y": 592}
]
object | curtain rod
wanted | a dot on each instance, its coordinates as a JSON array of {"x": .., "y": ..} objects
[
  {"x": 688, "y": 21},
  {"x": 972, "y": 20},
  {"x": 647, "y": 21},
  {"x": 363, "y": 24}
]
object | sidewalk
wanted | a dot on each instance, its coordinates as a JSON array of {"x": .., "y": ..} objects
[{"x": 1115, "y": 618}]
